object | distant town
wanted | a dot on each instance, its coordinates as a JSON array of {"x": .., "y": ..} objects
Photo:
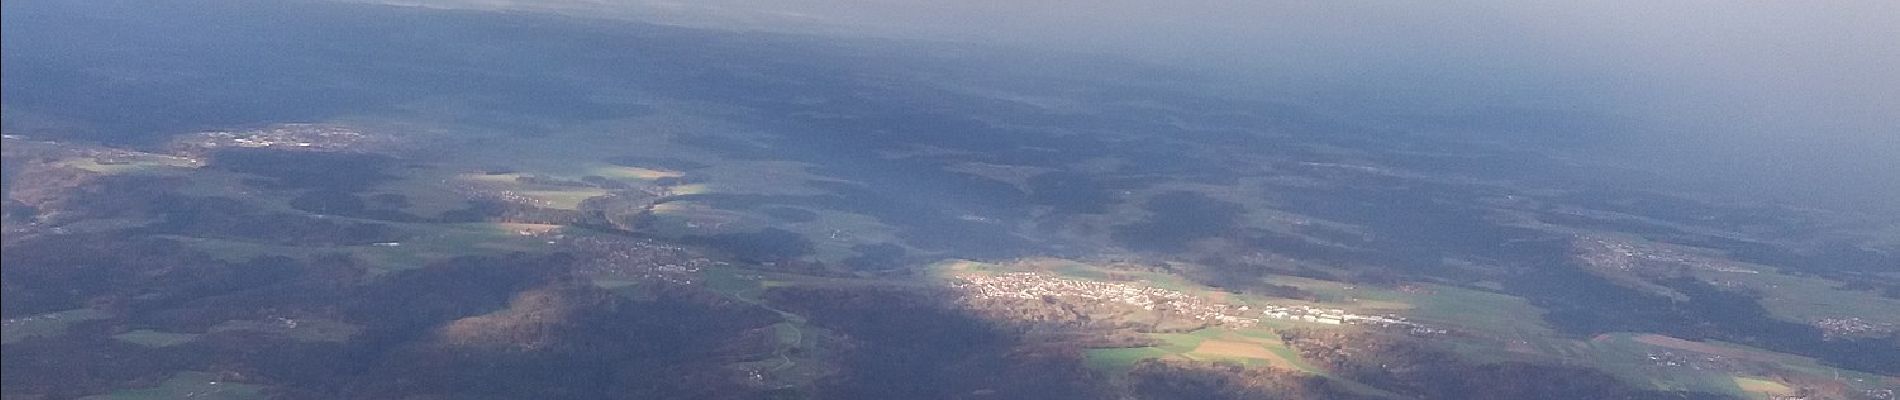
[
  {"x": 621, "y": 259},
  {"x": 1037, "y": 285},
  {"x": 317, "y": 137}
]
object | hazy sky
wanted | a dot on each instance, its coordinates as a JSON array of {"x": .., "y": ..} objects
[{"x": 1799, "y": 98}]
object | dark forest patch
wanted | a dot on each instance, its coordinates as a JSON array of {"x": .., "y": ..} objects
[
  {"x": 347, "y": 172},
  {"x": 1070, "y": 192},
  {"x": 333, "y": 202},
  {"x": 1176, "y": 219},
  {"x": 876, "y": 257},
  {"x": 790, "y": 214}
]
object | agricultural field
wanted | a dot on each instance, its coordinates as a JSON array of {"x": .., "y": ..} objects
[{"x": 1254, "y": 347}]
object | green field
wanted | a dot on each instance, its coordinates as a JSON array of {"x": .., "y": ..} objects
[
  {"x": 151, "y": 338},
  {"x": 129, "y": 163},
  {"x": 1804, "y": 299}
]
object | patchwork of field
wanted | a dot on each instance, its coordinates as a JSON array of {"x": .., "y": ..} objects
[{"x": 1256, "y": 347}]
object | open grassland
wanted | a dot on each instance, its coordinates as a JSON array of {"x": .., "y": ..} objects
[
  {"x": 1762, "y": 387},
  {"x": 151, "y": 338},
  {"x": 131, "y": 163},
  {"x": 189, "y": 385},
  {"x": 46, "y": 325}
]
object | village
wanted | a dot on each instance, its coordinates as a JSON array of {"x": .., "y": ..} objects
[
  {"x": 624, "y": 259},
  {"x": 1646, "y": 259}
]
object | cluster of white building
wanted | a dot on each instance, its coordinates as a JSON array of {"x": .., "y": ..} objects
[
  {"x": 1036, "y": 285},
  {"x": 1334, "y": 316},
  {"x": 308, "y": 136}
]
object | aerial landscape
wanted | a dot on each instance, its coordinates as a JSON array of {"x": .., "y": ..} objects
[{"x": 344, "y": 200}]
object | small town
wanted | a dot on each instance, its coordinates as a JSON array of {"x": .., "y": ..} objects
[
  {"x": 318, "y": 137},
  {"x": 1036, "y": 285}
]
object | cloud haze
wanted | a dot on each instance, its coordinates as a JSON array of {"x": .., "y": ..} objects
[{"x": 1795, "y": 99}]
